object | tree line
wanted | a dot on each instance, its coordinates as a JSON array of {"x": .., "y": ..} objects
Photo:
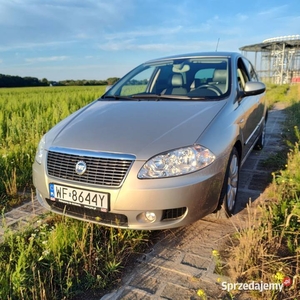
[{"x": 17, "y": 81}]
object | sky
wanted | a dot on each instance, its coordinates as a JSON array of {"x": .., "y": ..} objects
[{"x": 97, "y": 39}]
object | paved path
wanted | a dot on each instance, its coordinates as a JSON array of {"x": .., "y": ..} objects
[
  {"x": 181, "y": 262},
  {"x": 21, "y": 216}
]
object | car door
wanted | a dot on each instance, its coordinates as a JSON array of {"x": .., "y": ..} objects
[{"x": 252, "y": 106}]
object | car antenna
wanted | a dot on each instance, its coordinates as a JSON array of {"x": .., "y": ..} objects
[{"x": 217, "y": 44}]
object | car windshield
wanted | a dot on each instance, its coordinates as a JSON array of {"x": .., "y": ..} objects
[{"x": 196, "y": 78}]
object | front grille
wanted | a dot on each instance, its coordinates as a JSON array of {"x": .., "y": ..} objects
[
  {"x": 89, "y": 214},
  {"x": 174, "y": 213},
  {"x": 105, "y": 171}
]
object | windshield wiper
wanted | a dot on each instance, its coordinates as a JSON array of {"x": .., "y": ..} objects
[
  {"x": 164, "y": 96},
  {"x": 138, "y": 97},
  {"x": 118, "y": 97}
]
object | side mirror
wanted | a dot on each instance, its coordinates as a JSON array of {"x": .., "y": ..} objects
[{"x": 254, "y": 88}]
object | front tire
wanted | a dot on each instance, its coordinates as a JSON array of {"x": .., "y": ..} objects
[{"x": 230, "y": 185}]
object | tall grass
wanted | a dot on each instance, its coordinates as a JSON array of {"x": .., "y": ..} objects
[
  {"x": 268, "y": 250},
  {"x": 25, "y": 115},
  {"x": 276, "y": 93},
  {"x": 62, "y": 258}
]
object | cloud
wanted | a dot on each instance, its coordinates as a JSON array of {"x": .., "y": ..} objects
[
  {"x": 241, "y": 17},
  {"x": 53, "y": 21},
  {"x": 158, "y": 47},
  {"x": 139, "y": 39},
  {"x": 146, "y": 32},
  {"x": 46, "y": 59},
  {"x": 37, "y": 45},
  {"x": 273, "y": 10}
]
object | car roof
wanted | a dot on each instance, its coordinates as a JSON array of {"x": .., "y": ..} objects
[{"x": 197, "y": 54}]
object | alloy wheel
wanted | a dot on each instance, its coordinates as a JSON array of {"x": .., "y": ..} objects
[{"x": 232, "y": 183}]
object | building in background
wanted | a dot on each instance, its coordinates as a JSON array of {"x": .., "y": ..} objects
[{"x": 276, "y": 59}]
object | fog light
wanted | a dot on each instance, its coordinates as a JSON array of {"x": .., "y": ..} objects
[
  {"x": 146, "y": 217},
  {"x": 150, "y": 216}
]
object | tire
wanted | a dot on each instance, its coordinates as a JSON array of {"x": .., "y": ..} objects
[
  {"x": 262, "y": 138},
  {"x": 229, "y": 191}
]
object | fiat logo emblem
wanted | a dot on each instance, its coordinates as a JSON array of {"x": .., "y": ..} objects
[{"x": 80, "y": 167}]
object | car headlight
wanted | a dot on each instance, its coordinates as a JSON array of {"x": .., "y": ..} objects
[
  {"x": 40, "y": 150},
  {"x": 177, "y": 162}
]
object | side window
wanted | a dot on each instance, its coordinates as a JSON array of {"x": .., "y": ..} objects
[
  {"x": 137, "y": 84},
  {"x": 250, "y": 70}
]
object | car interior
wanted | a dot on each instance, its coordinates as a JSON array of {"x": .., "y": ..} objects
[
  {"x": 200, "y": 78},
  {"x": 193, "y": 79}
]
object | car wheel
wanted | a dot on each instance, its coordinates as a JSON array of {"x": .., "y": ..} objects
[
  {"x": 262, "y": 138},
  {"x": 230, "y": 186}
]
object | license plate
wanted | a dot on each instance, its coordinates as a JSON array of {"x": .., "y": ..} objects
[{"x": 79, "y": 197}]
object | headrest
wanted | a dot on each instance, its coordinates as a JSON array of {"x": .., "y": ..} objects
[
  {"x": 177, "y": 80},
  {"x": 220, "y": 76}
]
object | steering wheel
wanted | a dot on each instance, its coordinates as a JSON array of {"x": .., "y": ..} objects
[{"x": 211, "y": 87}]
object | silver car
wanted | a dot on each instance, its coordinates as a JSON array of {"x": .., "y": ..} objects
[{"x": 161, "y": 148}]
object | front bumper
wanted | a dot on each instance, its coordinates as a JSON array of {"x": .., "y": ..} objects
[{"x": 176, "y": 201}]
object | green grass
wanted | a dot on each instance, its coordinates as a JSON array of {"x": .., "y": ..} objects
[
  {"x": 63, "y": 257},
  {"x": 276, "y": 93},
  {"x": 25, "y": 115}
]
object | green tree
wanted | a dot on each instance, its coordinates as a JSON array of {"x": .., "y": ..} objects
[{"x": 112, "y": 80}]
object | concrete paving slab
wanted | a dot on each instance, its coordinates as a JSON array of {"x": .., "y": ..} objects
[{"x": 20, "y": 217}]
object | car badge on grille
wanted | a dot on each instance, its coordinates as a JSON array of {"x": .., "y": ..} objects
[{"x": 80, "y": 167}]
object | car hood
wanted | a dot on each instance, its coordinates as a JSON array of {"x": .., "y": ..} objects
[{"x": 141, "y": 128}]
